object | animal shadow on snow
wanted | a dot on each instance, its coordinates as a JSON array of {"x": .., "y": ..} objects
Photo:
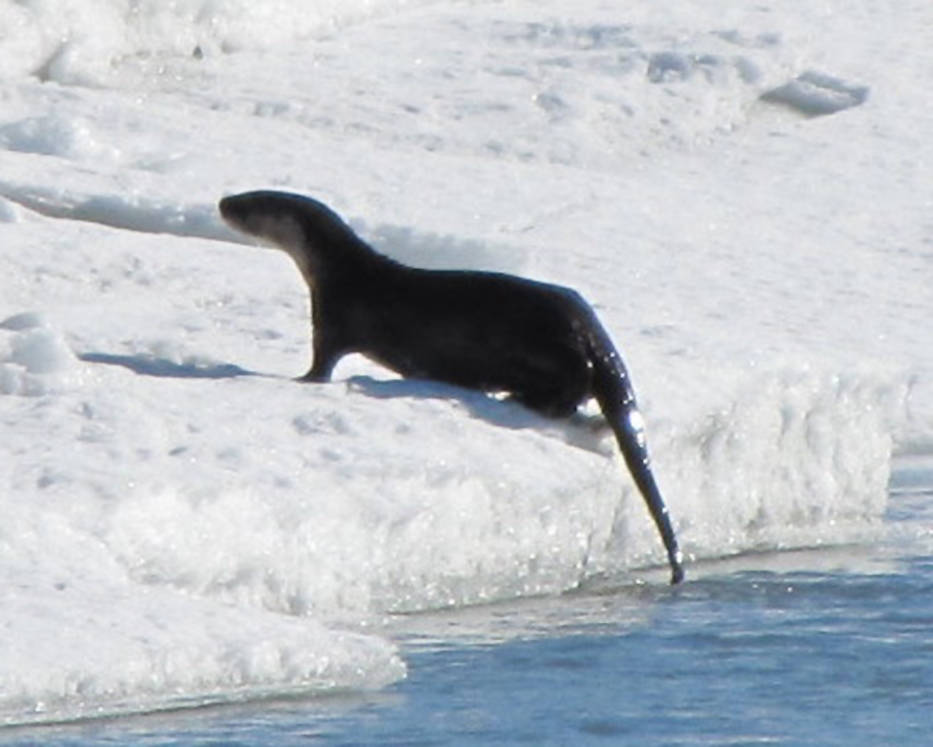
[
  {"x": 580, "y": 429},
  {"x": 147, "y": 365}
]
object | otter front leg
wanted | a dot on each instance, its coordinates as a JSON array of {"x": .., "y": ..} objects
[{"x": 325, "y": 354}]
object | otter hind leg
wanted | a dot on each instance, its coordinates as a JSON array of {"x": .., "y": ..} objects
[{"x": 556, "y": 390}]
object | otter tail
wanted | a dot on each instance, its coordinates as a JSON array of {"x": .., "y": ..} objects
[{"x": 613, "y": 390}]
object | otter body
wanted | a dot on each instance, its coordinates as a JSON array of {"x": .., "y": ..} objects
[{"x": 540, "y": 343}]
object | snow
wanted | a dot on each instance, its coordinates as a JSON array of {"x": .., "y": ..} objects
[{"x": 739, "y": 190}]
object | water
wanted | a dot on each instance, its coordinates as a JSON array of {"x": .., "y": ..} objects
[{"x": 823, "y": 646}]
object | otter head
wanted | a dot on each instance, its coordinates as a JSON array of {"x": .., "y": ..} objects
[
  {"x": 312, "y": 233},
  {"x": 272, "y": 217}
]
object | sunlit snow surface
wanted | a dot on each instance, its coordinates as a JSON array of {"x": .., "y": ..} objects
[{"x": 741, "y": 191}]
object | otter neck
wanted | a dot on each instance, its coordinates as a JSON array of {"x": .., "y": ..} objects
[{"x": 349, "y": 257}]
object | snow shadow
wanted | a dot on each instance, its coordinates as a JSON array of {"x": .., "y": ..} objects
[
  {"x": 815, "y": 94},
  {"x": 580, "y": 429},
  {"x": 479, "y": 404},
  {"x": 146, "y": 365},
  {"x": 441, "y": 251}
]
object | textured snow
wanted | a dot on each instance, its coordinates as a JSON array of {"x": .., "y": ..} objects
[{"x": 184, "y": 523}]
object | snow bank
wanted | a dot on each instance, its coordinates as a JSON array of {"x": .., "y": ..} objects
[
  {"x": 120, "y": 651},
  {"x": 220, "y": 531},
  {"x": 795, "y": 458},
  {"x": 349, "y": 500}
]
